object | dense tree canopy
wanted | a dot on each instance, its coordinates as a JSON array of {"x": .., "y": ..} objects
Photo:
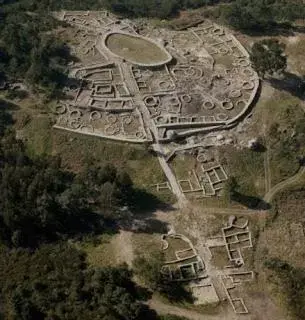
[
  {"x": 263, "y": 15},
  {"x": 40, "y": 202},
  {"x": 28, "y": 52},
  {"x": 46, "y": 285},
  {"x": 249, "y": 14},
  {"x": 147, "y": 8},
  {"x": 268, "y": 57}
]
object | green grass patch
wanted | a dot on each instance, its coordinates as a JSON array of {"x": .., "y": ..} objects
[
  {"x": 99, "y": 251},
  {"x": 280, "y": 255},
  {"x": 136, "y": 49},
  {"x": 77, "y": 150},
  {"x": 275, "y": 119},
  {"x": 37, "y": 136},
  {"x": 247, "y": 167},
  {"x": 285, "y": 111},
  {"x": 144, "y": 242},
  {"x": 182, "y": 165}
]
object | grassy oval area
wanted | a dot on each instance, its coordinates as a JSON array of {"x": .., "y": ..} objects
[{"x": 136, "y": 49}]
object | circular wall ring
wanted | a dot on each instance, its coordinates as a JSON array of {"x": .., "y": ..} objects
[
  {"x": 221, "y": 117},
  {"x": 60, "y": 109},
  {"x": 95, "y": 115},
  {"x": 217, "y": 31},
  {"x": 140, "y": 135},
  {"x": 227, "y": 105},
  {"x": 87, "y": 127},
  {"x": 111, "y": 118},
  {"x": 248, "y": 85},
  {"x": 161, "y": 119},
  {"x": 164, "y": 85},
  {"x": 75, "y": 123},
  {"x": 127, "y": 120},
  {"x": 189, "y": 72},
  {"x": 223, "y": 50},
  {"x": 244, "y": 62},
  {"x": 209, "y": 105},
  {"x": 235, "y": 93},
  {"x": 241, "y": 103},
  {"x": 75, "y": 114},
  {"x": 202, "y": 157},
  {"x": 151, "y": 101},
  {"x": 112, "y": 130},
  {"x": 195, "y": 72},
  {"x": 165, "y": 244},
  {"x": 186, "y": 98},
  {"x": 239, "y": 262},
  {"x": 248, "y": 72},
  {"x": 178, "y": 73}
]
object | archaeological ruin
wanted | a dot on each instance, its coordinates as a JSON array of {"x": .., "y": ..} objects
[
  {"x": 172, "y": 89},
  {"x": 211, "y": 284}
]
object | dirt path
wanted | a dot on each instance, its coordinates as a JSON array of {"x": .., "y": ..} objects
[
  {"x": 165, "y": 309},
  {"x": 284, "y": 184},
  {"x": 231, "y": 211},
  {"x": 123, "y": 247}
]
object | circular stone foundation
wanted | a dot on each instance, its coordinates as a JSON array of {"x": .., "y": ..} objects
[{"x": 136, "y": 49}]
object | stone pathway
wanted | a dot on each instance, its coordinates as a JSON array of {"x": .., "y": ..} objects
[{"x": 182, "y": 201}]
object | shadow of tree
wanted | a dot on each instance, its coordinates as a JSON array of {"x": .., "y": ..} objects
[
  {"x": 251, "y": 202},
  {"x": 176, "y": 292},
  {"x": 144, "y": 201},
  {"x": 273, "y": 29},
  {"x": 151, "y": 225},
  {"x": 140, "y": 215},
  {"x": 291, "y": 83},
  {"x": 8, "y": 106},
  {"x": 6, "y": 119}
]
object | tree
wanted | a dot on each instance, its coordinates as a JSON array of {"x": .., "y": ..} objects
[
  {"x": 249, "y": 15},
  {"x": 54, "y": 282},
  {"x": 263, "y": 15},
  {"x": 40, "y": 202},
  {"x": 268, "y": 57},
  {"x": 148, "y": 268}
]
